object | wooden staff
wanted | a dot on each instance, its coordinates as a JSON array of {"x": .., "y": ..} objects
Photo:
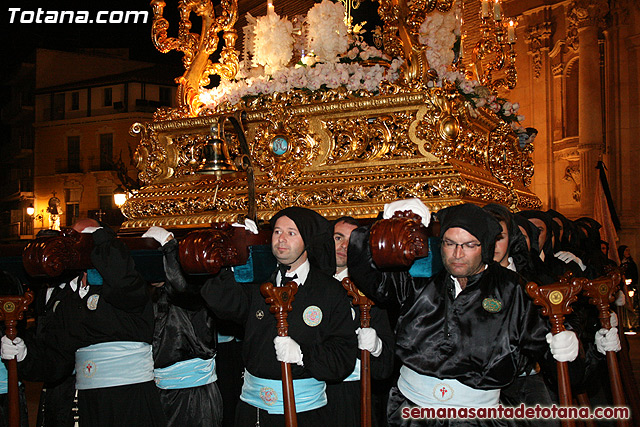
[
  {"x": 280, "y": 299},
  {"x": 556, "y": 300},
  {"x": 601, "y": 293},
  {"x": 12, "y": 309},
  {"x": 365, "y": 305}
]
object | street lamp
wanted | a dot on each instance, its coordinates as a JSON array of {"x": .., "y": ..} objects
[
  {"x": 40, "y": 217},
  {"x": 119, "y": 196}
]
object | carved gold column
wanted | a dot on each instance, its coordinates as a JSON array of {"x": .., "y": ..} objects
[{"x": 589, "y": 14}]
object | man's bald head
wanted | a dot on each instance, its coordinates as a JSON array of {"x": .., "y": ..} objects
[{"x": 84, "y": 223}]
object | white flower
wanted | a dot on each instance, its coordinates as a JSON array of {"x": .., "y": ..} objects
[
  {"x": 327, "y": 32},
  {"x": 466, "y": 86},
  {"x": 437, "y": 33},
  {"x": 273, "y": 42}
]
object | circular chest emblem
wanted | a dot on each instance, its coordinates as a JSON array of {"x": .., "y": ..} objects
[
  {"x": 9, "y": 307},
  {"x": 491, "y": 305},
  {"x": 556, "y": 297},
  {"x": 312, "y": 315},
  {"x": 268, "y": 396},
  {"x": 89, "y": 369},
  {"x": 279, "y": 145},
  {"x": 603, "y": 289},
  {"x": 92, "y": 302},
  {"x": 442, "y": 392},
  {"x": 259, "y": 314}
]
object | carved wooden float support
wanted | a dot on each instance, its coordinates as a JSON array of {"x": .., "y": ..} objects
[
  {"x": 555, "y": 301},
  {"x": 601, "y": 293},
  {"x": 202, "y": 251},
  {"x": 398, "y": 241}
]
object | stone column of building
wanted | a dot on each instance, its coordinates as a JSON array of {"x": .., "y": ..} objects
[
  {"x": 590, "y": 14},
  {"x": 537, "y": 39}
]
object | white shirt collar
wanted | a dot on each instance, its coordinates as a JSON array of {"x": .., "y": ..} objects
[
  {"x": 457, "y": 286},
  {"x": 73, "y": 284},
  {"x": 302, "y": 272},
  {"x": 512, "y": 265},
  {"x": 339, "y": 276}
]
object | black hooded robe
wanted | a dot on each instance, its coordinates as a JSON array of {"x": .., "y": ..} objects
[
  {"x": 183, "y": 331},
  {"x": 329, "y": 349},
  {"x": 476, "y": 338},
  {"x": 123, "y": 313}
]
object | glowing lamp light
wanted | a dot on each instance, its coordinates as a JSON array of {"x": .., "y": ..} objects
[
  {"x": 31, "y": 210},
  {"x": 119, "y": 196}
]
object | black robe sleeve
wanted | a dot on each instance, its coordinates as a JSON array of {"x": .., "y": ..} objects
[{"x": 123, "y": 286}]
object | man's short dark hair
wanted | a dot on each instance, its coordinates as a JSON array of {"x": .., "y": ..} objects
[{"x": 348, "y": 220}]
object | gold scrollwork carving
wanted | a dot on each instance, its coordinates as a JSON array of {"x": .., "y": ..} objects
[
  {"x": 197, "y": 49},
  {"x": 438, "y": 129},
  {"x": 350, "y": 156},
  {"x": 371, "y": 138},
  {"x": 283, "y": 145},
  {"x": 400, "y": 33}
]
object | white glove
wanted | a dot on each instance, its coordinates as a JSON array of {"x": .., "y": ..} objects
[
  {"x": 249, "y": 225},
  {"x": 567, "y": 257},
  {"x": 620, "y": 299},
  {"x": 89, "y": 230},
  {"x": 414, "y": 205},
  {"x": 614, "y": 319},
  {"x": 159, "y": 234},
  {"x": 368, "y": 340},
  {"x": 287, "y": 350},
  {"x": 607, "y": 340},
  {"x": 13, "y": 349},
  {"x": 564, "y": 346}
]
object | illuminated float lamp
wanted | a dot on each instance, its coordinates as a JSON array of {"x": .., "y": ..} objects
[{"x": 119, "y": 196}]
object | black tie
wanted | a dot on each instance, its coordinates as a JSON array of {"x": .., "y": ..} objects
[{"x": 288, "y": 279}]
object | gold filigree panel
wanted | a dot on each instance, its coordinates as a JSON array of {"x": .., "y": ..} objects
[
  {"x": 283, "y": 145},
  {"x": 363, "y": 139},
  {"x": 442, "y": 130},
  {"x": 352, "y": 155}
]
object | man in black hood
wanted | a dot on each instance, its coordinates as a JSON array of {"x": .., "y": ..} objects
[
  {"x": 460, "y": 334},
  {"x": 321, "y": 345}
]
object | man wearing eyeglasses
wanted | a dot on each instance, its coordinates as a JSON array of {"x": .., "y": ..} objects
[{"x": 460, "y": 333}]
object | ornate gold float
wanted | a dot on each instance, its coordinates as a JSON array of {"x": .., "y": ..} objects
[{"x": 336, "y": 151}]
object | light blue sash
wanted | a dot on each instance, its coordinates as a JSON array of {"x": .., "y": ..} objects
[
  {"x": 267, "y": 394},
  {"x": 355, "y": 375},
  {"x": 186, "y": 374},
  {"x": 225, "y": 338},
  {"x": 112, "y": 364},
  {"x": 4, "y": 379},
  {"x": 426, "y": 391}
]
